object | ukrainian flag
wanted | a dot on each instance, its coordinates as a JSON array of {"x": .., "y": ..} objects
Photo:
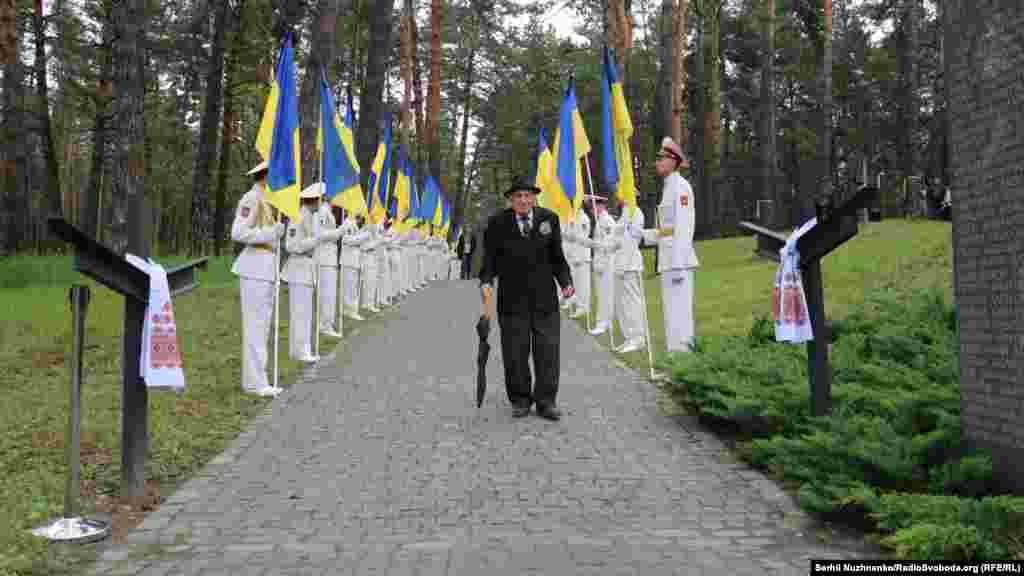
[
  {"x": 401, "y": 187},
  {"x": 278, "y": 138},
  {"x": 616, "y": 156},
  {"x": 380, "y": 175},
  {"x": 340, "y": 176},
  {"x": 413, "y": 216},
  {"x": 351, "y": 199},
  {"x": 544, "y": 179},
  {"x": 571, "y": 144}
]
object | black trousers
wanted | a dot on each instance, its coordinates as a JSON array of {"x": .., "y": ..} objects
[{"x": 537, "y": 332}]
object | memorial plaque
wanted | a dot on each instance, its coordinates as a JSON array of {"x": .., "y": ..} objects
[{"x": 984, "y": 51}]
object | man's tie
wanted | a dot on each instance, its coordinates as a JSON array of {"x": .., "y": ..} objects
[{"x": 524, "y": 225}]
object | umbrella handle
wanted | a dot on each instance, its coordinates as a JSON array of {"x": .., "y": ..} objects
[{"x": 485, "y": 304}]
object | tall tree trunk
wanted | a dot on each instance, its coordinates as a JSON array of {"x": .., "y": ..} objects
[
  {"x": 371, "y": 104},
  {"x": 661, "y": 119},
  {"x": 679, "y": 132},
  {"x": 128, "y": 179},
  {"x": 417, "y": 104},
  {"x": 12, "y": 175},
  {"x": 434, "y": 116},
  {"x": 712, "y": 110},
  {"x": 908, "y": 95},
  {"x": 408, "y": 51},
  {"x": 207, "y": 152},
  {"x": 236, "y": 30},
  {"x": 55, "y": 204},
  {"x": 458, "y": 203},
  {"x": 320, "y": 55},
  {"x": 769, "y": 189},
  {"x": 825, "y": 130}
]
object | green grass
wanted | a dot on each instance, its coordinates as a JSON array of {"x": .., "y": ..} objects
[
  {"x": 888, "y": 460},
  {"x": 186, "y": 432}
]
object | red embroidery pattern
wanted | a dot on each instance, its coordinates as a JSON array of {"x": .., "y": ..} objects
[{"x": 165, "y": 352}]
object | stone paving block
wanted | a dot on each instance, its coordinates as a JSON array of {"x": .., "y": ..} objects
[{"x": 386, "y": 465}]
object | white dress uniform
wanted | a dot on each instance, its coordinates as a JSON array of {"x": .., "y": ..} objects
[
  {"x": 676, "y": 261},
  {"x": 454, "y": 264},
  {"x": 351, "y": 247},
  {"x": 604, "y": 254},
  {"x": 255, "y": 228},
  {"x": 383, "y": 268},
  {"x": 409, "y": 261},
  {"x": 395, "y": 262},
  {"x": 421, "y": 257},
  {"x": 567, "y": 249},
  {"x": 327, "y": 259},
  {"x": 629, "y": 266},
  {"x": 369, "y": 269},
  {"x": 300, "y": 241},
  {"x": 581, "y": 271}
]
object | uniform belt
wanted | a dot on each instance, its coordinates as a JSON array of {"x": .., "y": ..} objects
[{"x": 264, "y": 247}]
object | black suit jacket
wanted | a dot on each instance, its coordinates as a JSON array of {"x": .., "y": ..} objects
[{"x": 527, "y": 267}]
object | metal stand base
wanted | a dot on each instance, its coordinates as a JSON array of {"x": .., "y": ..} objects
[{"x": 74, "y": 530}]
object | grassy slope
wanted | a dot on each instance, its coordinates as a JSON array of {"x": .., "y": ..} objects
[{"x": 186, "y": 432}]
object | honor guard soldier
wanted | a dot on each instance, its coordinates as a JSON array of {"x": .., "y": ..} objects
[
  {"x": 579, "y": 232},
  {"x": 327, "y": 260},
  {"x": 604, "y": 252},
  {"x": 395, "y": 262},
  {"x": 255, "y": 227},
  {"x": 629, "y": 266},
  {"x": 351, "y": 248},
  {"x": 369, "y": 269},
  {"x": 300, "y": 242},
  {"x": 676, "y": 257}
]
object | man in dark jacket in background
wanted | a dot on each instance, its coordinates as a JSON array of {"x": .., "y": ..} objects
[{"x": 523, "y": 249}]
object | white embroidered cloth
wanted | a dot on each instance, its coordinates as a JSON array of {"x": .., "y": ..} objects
[
  {"x": 160, "y": 359},
  {"x": 789, "y": 303}
]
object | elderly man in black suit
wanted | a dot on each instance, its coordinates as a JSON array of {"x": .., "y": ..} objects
[{"x": 523, "y": 249}]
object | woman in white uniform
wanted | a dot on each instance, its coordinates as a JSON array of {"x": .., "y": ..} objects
[
  {"x": 351, "y": 241},
  {"x": 676, "y": 257},
  {"x": 604, "y": 273},
  {"x": 327, "y": 263},
  {"x": 629, "y": 266}
]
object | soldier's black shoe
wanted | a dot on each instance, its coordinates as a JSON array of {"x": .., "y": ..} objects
[
  {"x": 549, "y": 412},
  {"x": 520, "y": 409}
]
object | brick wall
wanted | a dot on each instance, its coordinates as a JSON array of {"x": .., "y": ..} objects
[{"x": 985, "y": 64}]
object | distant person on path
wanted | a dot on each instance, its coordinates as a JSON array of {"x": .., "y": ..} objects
[
  {"x": 255, "y": 227},
  {"x": 523, "y": 250},
  {"x": 604, "y": 273},
  {"x": 676, "y": 256}
]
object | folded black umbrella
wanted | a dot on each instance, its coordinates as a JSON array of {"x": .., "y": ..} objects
[{"x": 483, "y": 329}]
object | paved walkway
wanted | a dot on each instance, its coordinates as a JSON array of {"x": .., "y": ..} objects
[{"x": 385, "y": 466}]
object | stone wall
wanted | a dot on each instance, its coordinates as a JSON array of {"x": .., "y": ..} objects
[{"x": 984, "y": 51}]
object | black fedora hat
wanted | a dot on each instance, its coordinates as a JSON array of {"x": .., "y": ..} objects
[{"x": 521, "y": 184}]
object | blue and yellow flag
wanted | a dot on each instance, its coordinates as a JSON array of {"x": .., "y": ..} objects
[
  {"x": 617, "y": 129},
  {"x": 380, "y": 175},
  {"x": 278, "y": 138},
  {"x": 413, "y": 217},
  {"x": 429, "y": 204},
  {"x": 339, "y": 173},
  {"x": 351, "y": 198},
  {"x": 571, "y": 144},
  {"x": 402, "y": 187},
  {"x": 544, "y": 179}
]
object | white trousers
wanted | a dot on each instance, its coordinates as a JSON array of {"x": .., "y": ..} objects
[
  {"x": 300, "y": 320},
  {"x": 629, "y": 306},
  {"x": 351, "y": 290},
  {"x": 421, "y": 273},
  {"x": 328, "y": 298},
  {"x": 453, "y": 270},
  {"x": 395, "y": 261},
  {"x": 409, "y": 262},
  {"x": 605, "y": 295},
  {"x": 383, "y": 279},
  {"x": 677, "y": 304},
  {"x": 257, "y": 313},
  {"x": 369, "y": 294},
  {"x": 581, "y": 281}
]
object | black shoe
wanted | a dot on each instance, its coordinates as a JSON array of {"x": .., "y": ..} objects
[
  {"x": 520, "y": 409},
  {"x": 549, "y": 413}
]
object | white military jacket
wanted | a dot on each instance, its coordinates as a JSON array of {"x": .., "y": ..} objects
[
  {"x": 327, "y": 250},
  {"x": 351, "y": 240},
  {"x": 628, "y": 233},
  {"x": 676, "y": 211},
  {"x": 254, "y": 227},
  {"x": 300, "y": 240},
  {"x": 604, "y": 242},
  {"x": 580, "y": 236}
]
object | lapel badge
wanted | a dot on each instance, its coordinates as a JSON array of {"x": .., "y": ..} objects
[{"x": 545, "y": 228}]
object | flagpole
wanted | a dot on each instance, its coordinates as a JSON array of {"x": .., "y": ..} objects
[
  {"x": 277, "y": 295},
  {"x": 593, "y": 210},
  {"x": 339, "y": 296}
]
